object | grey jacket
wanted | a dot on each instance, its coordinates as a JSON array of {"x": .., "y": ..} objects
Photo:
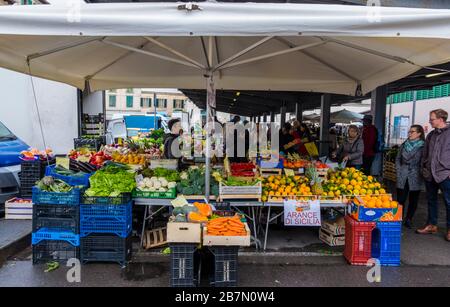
[
  {"x": 436, "y": 155},
  {"x": 355, "y": 150},
  {"x": 408, "y": 168}
]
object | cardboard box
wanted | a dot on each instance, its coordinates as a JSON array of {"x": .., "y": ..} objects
[
  {"x": 184, "y": 232},
  {"x": 226, "y": 240},
  {"x": 18, "y": 211},
  {"x": 330, "y": 239},
  {"x": 363, "y": 214},
  {"x": 336, "y": 227}
]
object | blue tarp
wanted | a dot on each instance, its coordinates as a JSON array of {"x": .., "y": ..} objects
[{"x": 141, "y": 123}]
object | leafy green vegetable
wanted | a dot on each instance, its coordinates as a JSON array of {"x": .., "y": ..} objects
[
  {"x": 111, "y": 180},
  {"x": 50, "y": 184},
  {"x": 170, "y": 175}
]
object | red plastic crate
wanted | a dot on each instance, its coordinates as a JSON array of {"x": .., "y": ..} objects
[{"x": 358, "y": 241}]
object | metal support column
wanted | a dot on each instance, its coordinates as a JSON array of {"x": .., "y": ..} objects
[
  {"x": 378, "y": 107},
  {"x": 325, "y": 116},
  {"x": 272, "y": 116},
  {"x": 282, "y": 115},
  {"x": 210, "y": 107},
  {"x": 299, "y": 111},
  {"x": 413, "y": 117}
]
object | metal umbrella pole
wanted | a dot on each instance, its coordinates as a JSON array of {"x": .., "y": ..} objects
[{"x": 210, "y": 106}]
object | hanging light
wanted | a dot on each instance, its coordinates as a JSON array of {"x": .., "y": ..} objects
[
  {"x": 238, "y": 93},
  {"x": 437, "y": 74}
]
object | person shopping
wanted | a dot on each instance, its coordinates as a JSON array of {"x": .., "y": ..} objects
[
  {"x": 409, "y": 178},
  {"x": 436, "y": 170},
  {"x": 351, "y": 151}
]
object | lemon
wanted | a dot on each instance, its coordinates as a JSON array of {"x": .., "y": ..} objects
[
  {"x": 382, "y": 191},
  {"x": 356, "y": 192},
  {"x": 337, "y": 193},
  {"x": 369, "y": 192}
]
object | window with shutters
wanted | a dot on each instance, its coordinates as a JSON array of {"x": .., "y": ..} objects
[
  {"x": 161, "y": 103},
  {"x": 129, "y": 101},
  {"x": 178, "y": 104},
  {"x": 146, "y": 102},
  {"x": 112, "y": 101}
]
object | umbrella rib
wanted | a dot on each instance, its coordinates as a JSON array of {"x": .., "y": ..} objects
[
  {"x": 89, "y": 77},
  {"x": 170, "y": 49},
  {"x": 273, "y": 54},
  {"x": 371, "y": 51},
  {"x": 316, "y": 58},
  {"x": 242, "y": 52},
  {"x": 205, "y": 53},
  {"x": 152, "y": 54},
  {"x": 216, "y": 42},
  {"x": 62, "y": 48}
]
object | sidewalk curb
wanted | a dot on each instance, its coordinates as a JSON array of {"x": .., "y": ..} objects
[{"x": 14, "y": 248}]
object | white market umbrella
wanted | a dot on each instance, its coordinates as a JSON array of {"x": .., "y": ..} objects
[
  {"x": 243, "y": 46},
  {"x": 248, "y": 46}
]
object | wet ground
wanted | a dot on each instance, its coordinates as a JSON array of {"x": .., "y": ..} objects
[{"x": 294, "y": 257}]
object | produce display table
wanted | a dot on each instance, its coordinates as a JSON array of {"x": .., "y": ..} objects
[
  {"x": 254, "y": 208},
  {"x": 149, "y": 203},
  {"x": 269, "y": 205},
  {"x": 253, "y": 213}
]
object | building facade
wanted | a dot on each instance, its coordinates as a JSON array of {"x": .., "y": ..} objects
[{"x": 143, "y": 101}]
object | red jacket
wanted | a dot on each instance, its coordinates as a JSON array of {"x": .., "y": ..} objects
[{"x": 369, "y": 136}]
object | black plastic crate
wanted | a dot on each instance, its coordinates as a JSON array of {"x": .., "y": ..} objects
[
  {"x": 59, "y": 217},
  {"x": 184, "y": 265},
  {"x": 60, "y": 251},
  {"x": 93, "y": 119},
  {"x": 225, "y": 266},
  {"x": 106, "y": 248},
  {"x": 36, "y": 167},
  {"x": 92, "y": 143}
]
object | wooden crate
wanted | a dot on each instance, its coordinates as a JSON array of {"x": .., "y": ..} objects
[
  {"x": 240, "y": 192},
  {"x": 184, "y": 232},
  {"x": 330, "y": 239},
  {"x": 389, "y": 171},
  {"x": 18, "y": 211},
  {"x": 266, "y": 172},
  {"x": 226, "y": 240},
  {"x": 155, "y": 238}
]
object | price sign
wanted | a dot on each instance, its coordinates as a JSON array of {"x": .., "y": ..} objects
[
  {"x": 288, "y": 172},
  {"x": 298, "y": 213},
  {"x": 63, "y": 161}
]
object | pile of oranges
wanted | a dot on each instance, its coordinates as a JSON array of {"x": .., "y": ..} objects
[
  {"x": 129, "y": 158},
  {"x": 379, "y": 201},
  {"x": 351, "y": 181},
  {"x": 279, "y": 187}
]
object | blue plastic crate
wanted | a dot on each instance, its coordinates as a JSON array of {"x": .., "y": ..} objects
[
  {"x": 72, "y": 180},
  {"x": 53, "y": 198},
  {"x": 55, "y": 235},
  {"x": 106, "y": 219},
  {"x": 269, "y": 164},
  {"x": 386, "y": 243}
]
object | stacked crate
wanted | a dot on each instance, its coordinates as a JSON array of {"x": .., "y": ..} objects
[
  {"x": 30, "y": 172},
  {"x": 386, "y": 243},
  {"x": 56, "y": 225},
  {"x": 358, "y": 241},
  {"x": 378, "y": 240},
  {"x": 105, "y": 229}
]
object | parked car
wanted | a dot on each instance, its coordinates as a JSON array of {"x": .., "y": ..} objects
[{"x": 10, "y": 148}]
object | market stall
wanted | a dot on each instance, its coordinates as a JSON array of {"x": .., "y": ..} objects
[{"x": 212, "y": 45}]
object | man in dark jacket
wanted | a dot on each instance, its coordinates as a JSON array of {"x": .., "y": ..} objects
[
  {"x": 175, "y": 128},
  {"x": 369, "y": 136},
  {"x": 436, "y": 170}
]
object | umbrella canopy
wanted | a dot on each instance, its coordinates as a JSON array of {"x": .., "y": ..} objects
[
  {"x": 339, "y": 117},
  {"x": 289, "y": 47}
]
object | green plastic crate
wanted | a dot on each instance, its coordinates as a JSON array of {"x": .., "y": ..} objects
[{"x": 171, "y": 193}]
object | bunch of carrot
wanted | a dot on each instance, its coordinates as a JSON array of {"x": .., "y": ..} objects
[{"x": 226, "y": 226}]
